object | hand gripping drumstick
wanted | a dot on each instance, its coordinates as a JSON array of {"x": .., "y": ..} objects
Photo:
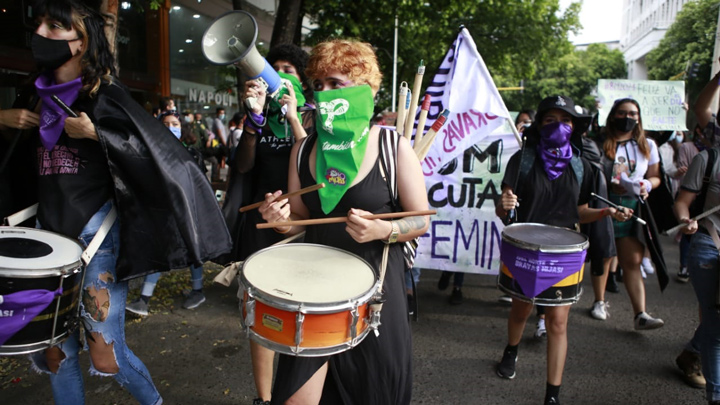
[
  {"x": 697, "y": 218},
  {"x": 338, "y": 220},
  {"x": 617, "y": 207},
  {"x": 284, "y": 196}
]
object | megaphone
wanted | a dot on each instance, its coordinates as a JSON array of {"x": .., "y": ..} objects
[{"x": 230, "y": 39}]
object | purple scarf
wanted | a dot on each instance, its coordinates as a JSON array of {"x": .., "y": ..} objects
[
  {"x": 19, "y": 308},
  {"x": 554, "y": 148},
  {"x": 52, "y": 117}
]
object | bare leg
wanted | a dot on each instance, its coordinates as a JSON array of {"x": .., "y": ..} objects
[
  {"x": 262, "y": 364},
  {"x": 519, "y": 313},
  {"x": 556, "y": 324},
  {"x": 630, "y": 254},
  {"x": 311, "y": 392}
]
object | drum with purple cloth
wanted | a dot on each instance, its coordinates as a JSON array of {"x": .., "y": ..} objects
[
  {"x": 40, "y": 282},
  {"x": 542, "y": 264}
]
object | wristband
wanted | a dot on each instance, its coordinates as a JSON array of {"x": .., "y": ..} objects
[
  {"x": 647, "y": 184},
  {"x": 254, "y": 121}
]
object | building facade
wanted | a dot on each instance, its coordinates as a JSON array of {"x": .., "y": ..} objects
[{"x": 644, "y": 24}]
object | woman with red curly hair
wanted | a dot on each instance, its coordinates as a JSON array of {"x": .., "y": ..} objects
[{"x": 344, "y": 153}]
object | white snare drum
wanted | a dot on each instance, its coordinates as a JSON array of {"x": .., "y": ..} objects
[
  {"x": 32, "y": 259},
  {"x": 542, "y": 264},
  {"x": 306, "y": 299}
]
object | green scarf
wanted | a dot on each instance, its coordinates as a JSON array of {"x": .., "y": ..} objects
[
  {"x": 342, "y": 124},
  {"x": 282, "y": 129}
]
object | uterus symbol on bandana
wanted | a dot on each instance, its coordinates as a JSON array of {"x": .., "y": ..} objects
[{"x": 333, "y": 108}]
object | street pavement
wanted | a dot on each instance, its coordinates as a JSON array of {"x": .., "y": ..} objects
[{"x": 201, "y": 357}]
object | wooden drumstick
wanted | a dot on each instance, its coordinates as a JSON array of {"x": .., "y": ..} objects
[
  {"x": 284, "y": 196},
  {"x": 697, "y": 218},
  {"x": 337, "y": 220}
]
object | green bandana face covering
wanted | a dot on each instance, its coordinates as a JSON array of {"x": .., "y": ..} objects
[
  {"x": 343, "y": 127},
  {"x": 282, "y": 129}
]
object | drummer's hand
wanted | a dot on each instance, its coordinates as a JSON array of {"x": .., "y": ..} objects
[
  {"x": 19, "y": 118},
  {"x": 365, "y": 230},
  {"x": 275, "y": 211},
  {"x": 621, "y": 215},
  {"x": 253, "y": 89},
  {"x": 508, "y": 200},
  {"x": 80, "y": 127},
  {"x": 690, "y": 227}
]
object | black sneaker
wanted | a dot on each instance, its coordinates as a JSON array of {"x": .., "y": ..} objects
[
  {"x": 552, "y": 401},
  {"x": 444, "y": 281},
  {"x": 456, "y": 297},
  {"x": 611, "y": 285},
  {"x": 506, "y": 367},
  {"x": 683, "y": 275},
  {"x": 259, "y": 401}
]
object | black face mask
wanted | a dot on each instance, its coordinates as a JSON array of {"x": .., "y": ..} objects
[
  {"x": 626, "y": 124},
  {"x": 50, "y": 54}
]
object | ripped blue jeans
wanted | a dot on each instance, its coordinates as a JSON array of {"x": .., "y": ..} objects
[{"x": 103, "y": 315}]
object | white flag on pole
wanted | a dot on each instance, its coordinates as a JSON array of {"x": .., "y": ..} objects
[{"x": 463, "y": 170}]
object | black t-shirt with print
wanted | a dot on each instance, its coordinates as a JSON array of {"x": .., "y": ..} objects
[
  {"x": 549, "y": 202},
  {"x": 74, "y": 182},
  {"x": 272, "y": 158}
]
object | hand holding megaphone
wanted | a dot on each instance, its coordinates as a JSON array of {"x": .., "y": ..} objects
[
  {"x": 255, "y": 95},
  {"x": 230, "y": 39}
]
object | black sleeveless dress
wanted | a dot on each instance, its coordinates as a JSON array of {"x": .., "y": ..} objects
[{"x": 379, "y": 369}]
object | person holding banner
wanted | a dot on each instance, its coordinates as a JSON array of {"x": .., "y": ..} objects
[
  {"x": 344, "y": 153},
  {"x": 550, "y": 194},
  {"x": 634, "y": 163}
]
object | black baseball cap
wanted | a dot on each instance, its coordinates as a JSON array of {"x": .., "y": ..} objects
[{"x": 563, "y": 103}]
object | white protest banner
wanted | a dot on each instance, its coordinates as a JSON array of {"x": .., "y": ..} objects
[
  {"x": 463, "y": 170},
  {"x": 661, "y": 102}
]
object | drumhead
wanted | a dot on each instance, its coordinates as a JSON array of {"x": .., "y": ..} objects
[
  {"x": 28, "y": 252},
  {"x": 309, "y": 273},
  {"x": 544, "y": 238}
]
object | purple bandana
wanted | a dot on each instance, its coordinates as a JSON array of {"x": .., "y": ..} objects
[
  {"x": 52, "y": 117},
  {"x": 554, "y": 148},
  {"x": 537, "y": 271},
  {"x": 18, "y": 309}
]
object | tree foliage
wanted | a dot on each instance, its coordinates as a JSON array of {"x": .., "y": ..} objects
[
  {"x": 574, "y": 74},
  {"x": 691, "y": 38},
  {"x": 515, "y": 37}
]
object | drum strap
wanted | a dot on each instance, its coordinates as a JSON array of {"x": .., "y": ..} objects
[
  {"x": 389, "y": 141},
  {"x": 87, "y": 255},
  {"x": 99, "y": 237},
  {"x": 21, "y": 216}
]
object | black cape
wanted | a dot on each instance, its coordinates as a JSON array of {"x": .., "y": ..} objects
[{"x": 168, "y": 212}]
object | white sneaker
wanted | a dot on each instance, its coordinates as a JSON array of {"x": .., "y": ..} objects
[
  {"x": 642, "y": 272},
  {"x": 600, "y": 310},
  {"x": 647, "y": 265},
  {"x": 540, "y": 332},
  {"x": 643, "y": 321}
]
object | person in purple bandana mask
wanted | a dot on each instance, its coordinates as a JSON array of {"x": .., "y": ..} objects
[
  {"x": 550, "y": 194},
  {"x": 84, "y": 169}
]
